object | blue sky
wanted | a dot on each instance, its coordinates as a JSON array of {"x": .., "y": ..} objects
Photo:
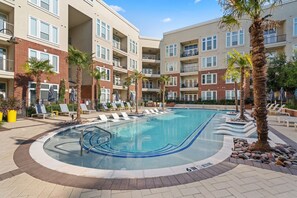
[{"x": 154, "y": 17}]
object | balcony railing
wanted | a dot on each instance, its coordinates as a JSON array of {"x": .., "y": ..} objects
[
  {"x": 192, "y": 68},
  {"x": 149, "y": 87},
  {"x": 7, "y": 28},
  {"x": 6, "y": 65},
  {"x": 118, "y": 83},
  {"x": 117, "y": 64},
  {"x": 183, "y": 85},
  {"x": 145, "y": 71},
  {"x": 274, "y": 39},
  {"x": 116, "y": 44},
  {"x": 150, "y": 57},
  {"x": 190, "y": 52}
]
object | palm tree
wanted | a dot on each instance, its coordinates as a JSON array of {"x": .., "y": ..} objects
[
  {"x": 128, "y": 83},
  {"x": 37, "y": 68},
  {"x": 137, "y": 77},
  {"x": 242, "y": 63},
  {"x": 234, "y": 11},
  {"x": 82, "y": 61},
  {"x": 164, "y": 79},
  {"x": 98, "y": 75}
]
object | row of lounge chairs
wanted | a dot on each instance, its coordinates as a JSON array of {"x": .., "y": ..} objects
[
  {"x": 274, "y": 109},
  {"x": 114, "y": 107}
]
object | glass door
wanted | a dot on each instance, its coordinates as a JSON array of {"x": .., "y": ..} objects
[{"x": 2, "y": 59}]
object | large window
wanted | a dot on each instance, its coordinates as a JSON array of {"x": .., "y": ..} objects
[
  {"x": 39, "y": 55},
  {"x": 231, "y": 81},
  {"x": 209, "y": 43},
  {"x": 103, "y": 29},
  {"x": 43, "y": 30},
  {"x": 234, "y": 38},
  {"x": 209, "y": 95},
  {"x": 133, "y": 47},
  {"x": 295, "y": 26},
  {"x": 172, "y": 81},
  {"x": 171, "y": 95},
  {"x": 133, "y": 64},
  {"x": 106, "y": 77},
  {"x": 210, "y": 61},
  {"x": 105, "y": 95},
  {"x": 48, "y": 5},
  {"x": 103, "y": 53},
  {"x": 230, "y": 94},
  {"x": 171, "y": 66},
  {"x": 43, "y": 92},
  {"x": 171, "y": 50},
  {"x": 209, "y": 79}
]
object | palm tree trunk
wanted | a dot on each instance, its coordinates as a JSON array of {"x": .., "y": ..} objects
[
  {"x": 236, "y": 96},
  {"x": 38, "y": 84},
  {"x": 136, "y": 93},
  {"x": 259, "y": 79},
  {"x": 98, "y": 94},
  {"x": 241, "y": 94},
  {"x": 78, "y": 81},
  {"x": 128, "y": 94},
  {"x": 163, "y": 98}
]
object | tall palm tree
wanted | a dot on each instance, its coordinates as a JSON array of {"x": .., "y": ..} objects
[
  {"x": 37, "y": 68},
  {"x": 233, "y": 74},
  {"x": 128, "y": 83},
  {"x": 242, "y": 63},
  {"x": 98, "y": 75},
  {"x": 234, "y": 11},
  {"x": 164, "y": 79},
  {"x": 82, "y": 61},
  {"x": 137, "y": 77}
]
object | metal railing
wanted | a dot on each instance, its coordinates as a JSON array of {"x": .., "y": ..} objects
[
  {"x": 118, "y": 83},
  {"x": 117, "y": 64},
  {"x": 193, "y": 85},
  {"x": 6, "y": 65},
  {"x": 147, "y": 71},
  {"x": 118, "y": 46},
  {"x": 190, "y": 52},
  {"x": 150, "y": 57},
  {"x": 7, "y": 28},
  {"x": 274, "y": 39},
  {"x": 189, "y": 68},
  {"x": 149, "y": 87}
]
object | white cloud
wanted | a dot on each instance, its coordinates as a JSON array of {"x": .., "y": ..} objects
[
  {"x": 167, "y": 20},
  {"x": 117, "y": 8},
  {"x": 197, "y": 1}
]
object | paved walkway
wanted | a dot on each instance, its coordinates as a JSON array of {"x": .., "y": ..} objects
[{"x": 242, "y": 181}]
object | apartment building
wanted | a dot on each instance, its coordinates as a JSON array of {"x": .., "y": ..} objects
[{"x": 195, "y": 57}]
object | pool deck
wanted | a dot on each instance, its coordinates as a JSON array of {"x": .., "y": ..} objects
[{"x": 229, "y": 179}]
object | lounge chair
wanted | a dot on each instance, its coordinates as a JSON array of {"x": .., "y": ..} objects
[
  {"x": 125, "y": 115},
  {"x": 41, "y": 112},
  {"x": 105, "y": 108},
  {"x": 157, "y": 111},
  {"x": 237, "y": 130},
  {"x": 114, "y": 107},
  {"x": 246, "y": 134},
  {"x": 129, "y": 105},
  {"x": 279, "y": 111},
  {"x": 270, "y": 107},
  {"x": 122, "y": 106},
  {"x": 235, "y": 126},
  {"x": 85, "y": 109},
  {"x": 147, "y": 112},
  {"x": 115, "y": 116},
  {"x": 268, "y": 104},
  {"x": 289, "y": 120},
  {"x": 105, "y": 119},
  {"x": 153, "y": 112},
  {"x": 65, "y": 110},
  {"x": 274, "y": 108}
]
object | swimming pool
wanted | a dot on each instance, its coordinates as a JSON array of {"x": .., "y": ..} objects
[{"x": 180, "y": 137}]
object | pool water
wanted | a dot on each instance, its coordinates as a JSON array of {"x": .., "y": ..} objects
[{"x": 180, "y": 137}]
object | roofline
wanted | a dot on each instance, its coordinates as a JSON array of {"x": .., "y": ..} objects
[
  {"x": 118, "y": 15},
  {"x": 149, "y": 38},
  {"x": 192, "y": 26}
]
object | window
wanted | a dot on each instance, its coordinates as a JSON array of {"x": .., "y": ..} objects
[
  {"x": 231, "y": 81},
  {"x": 230, "y": 94},
  {"x": 171, "y": 95},
  {"x": 43, "y": 30},
  {"x": 172, "y": 81},
  {"x": 209, "y": 43},
  {"x": 43, "y": 92},
  {"x": 171, "y": 50},
  {"x": 209, "y": 79},
  {"x": 48, "y": 5},
  {"x": 106, "y": 71},
  {"x": 209, "y": 95},
  {"x": 270, "y": 36},
  {"x": 133, "y": 47},
  {"x": 105, "y": 95},
  {"x": 171, "y": 66},
  {"x": 102, "y": 29},
  {"x": 103, "y": 53},
  {"x": 39, "y": 55},
  {"x": 295, "y": 26},
  {"x": 190, "y": 97},
  {"x": 234, "y": 38},
  {"x": 133, "y": 64},
  {"x": 210, "y": 61}
]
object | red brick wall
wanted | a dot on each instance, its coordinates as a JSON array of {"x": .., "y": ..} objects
[{"x": 22, "y": 80}]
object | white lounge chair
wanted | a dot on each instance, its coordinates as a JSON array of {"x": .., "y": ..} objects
[
  {"x": 279, "y": 111},
  {"x": 289, "y": 120},
  {"x": 153, "y": 112},
  {"x": 41, "y": 111},
  {"x": 270, "y": 107},
  {"x": 85, "y": 109},
  {"x": 115, "y": 116},
  {"x": 114, "y": 107},
  {"x": 147, "y": 112},
  {"x": 246, "y": 134},
  {"x": 235, "y": 126},
  {"x": 122, "y": 106},
  {"x": 129, "y": 105},
  {"x": 125, "y": 115},
  {"x": 268, "y": 104},
  {"x": 157, "y": 111},
  {"x": 237, "y": 130},
  {"x": 65, "y": 110},
  {"x": 105, "y": 119}
]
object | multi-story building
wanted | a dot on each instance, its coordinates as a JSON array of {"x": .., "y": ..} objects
[{"x": 195, "y": 57}]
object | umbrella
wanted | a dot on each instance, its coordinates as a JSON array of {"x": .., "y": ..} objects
[
  {"x": 72, "y": 95},
  {"x": 51, "y": 94},
  {"x": 271, "y": 96},
  {"x": 132, "y": 96},
  {"x": 282, "y": 96},
  {"x": 295, "y": 94}
]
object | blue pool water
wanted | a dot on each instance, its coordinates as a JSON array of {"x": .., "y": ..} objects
[{"x": 179, "y": 137}]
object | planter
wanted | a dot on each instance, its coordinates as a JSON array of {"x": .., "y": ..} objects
[
  {"x": 1, "y": 116},
  {"x": 11, "y": 116},
  {"x": 292, "y": 112},
  {"x": 171, "y": 104}
]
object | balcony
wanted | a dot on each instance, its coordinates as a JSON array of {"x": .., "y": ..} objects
[
  {"x": 7, "y": 29},
  {"x": 191, "y": 69},
  {"x": 150, "y": 88},
  {"x": 119, "y": 68},
  {"x": 119, "y": 51},
  {"x": 119, "y": 85},
  {"x": 151, "y": 73},
  {"x": 275, "y": 40},
  {"x": 151, "y": 58},
  {"x": 187, "y": 87},
  {"x": 190, "y": 52},
  {"x": 6, "y": 68}
]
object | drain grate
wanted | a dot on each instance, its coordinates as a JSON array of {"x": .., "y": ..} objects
[{"x": 195, "y": 168}]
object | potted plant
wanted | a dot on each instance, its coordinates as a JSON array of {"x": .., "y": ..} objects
[
  {"x": 13, "y": 105},
  {"x": 3, "y": 108}
]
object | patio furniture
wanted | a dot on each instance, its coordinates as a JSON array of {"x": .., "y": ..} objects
[
  {"x": 115, "y": 116},
  {"x": 114, "y": 107},
  {"x": 65, "y": 110},
  {"x": 236, "y": 126},
  {"x": 105, "y": 107},
  {"x": 289, "y": 120},
  {"x": 125, "y": 115},
  {"x": 105, "y": 119},
  {"x": 244, "y": 129},
  {"x": 41, "y": 111},
  {"x": 85, "y": 109},
  {"x": 122, "y": 106}
]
